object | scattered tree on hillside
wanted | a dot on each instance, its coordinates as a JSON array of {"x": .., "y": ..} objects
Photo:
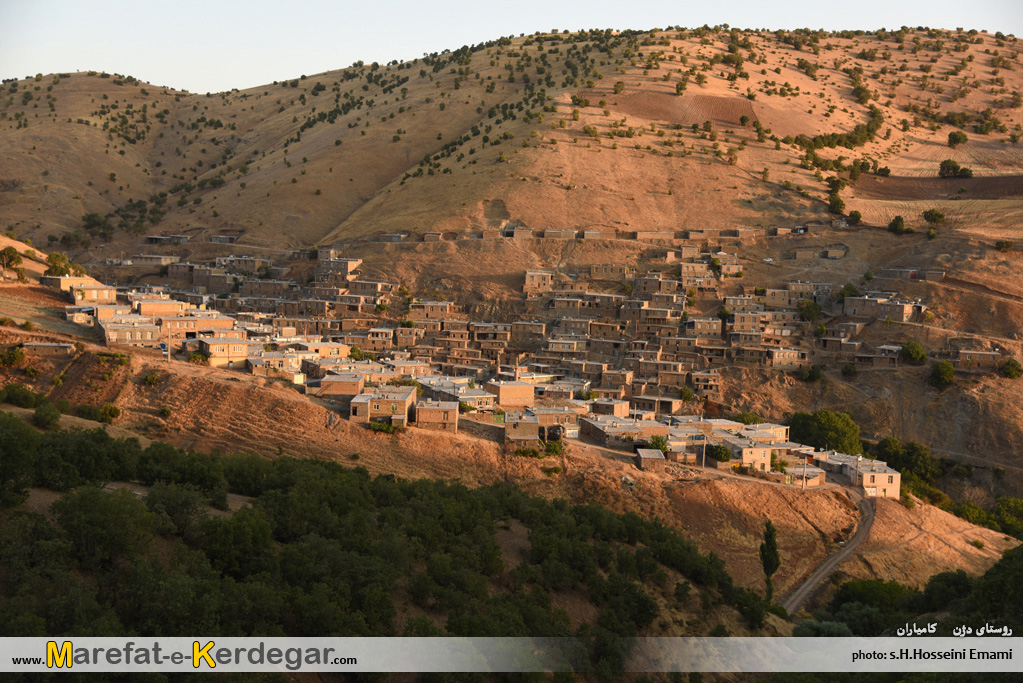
[
  {"x": 810, "y": 373},
  {"x": 934, "y": 216},
  {"x": 898, "y": 226},
  {"x": 854, "y": 218},
  {"x": 769, "y": 557},
  {"x": 9, "y": 258},
  {"x": 956, "y": 137},
  {"x": 942, "y": 375},
  {"x": 1011, "y": 369},
  {"x": 825, "y": 429},
  {"x": 809, "y": 310},
  {"x": 950, "y": 169},
  {"x": 835, "y": 203},
  {"x": 912, "y": 352}
]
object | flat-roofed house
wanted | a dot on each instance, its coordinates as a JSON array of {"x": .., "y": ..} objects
[
  {"x": 650, "y": 459},
  {"x": 393, "y": 405},
  {"x": 439, "y": 415}
]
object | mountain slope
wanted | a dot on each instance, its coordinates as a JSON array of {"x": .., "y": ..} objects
[{"x": 411, "y": 146}]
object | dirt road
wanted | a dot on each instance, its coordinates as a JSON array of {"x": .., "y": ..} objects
[{"x": 798, "y": 597}]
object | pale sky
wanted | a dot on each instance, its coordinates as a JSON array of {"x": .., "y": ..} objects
[{"x": 217, "y": 45}]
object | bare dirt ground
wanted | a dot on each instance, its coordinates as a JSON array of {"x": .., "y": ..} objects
[
  {"x": 916, "y": 188},
  {"x": 685, "y": 110},
  {"x": 905, "y": 544}
]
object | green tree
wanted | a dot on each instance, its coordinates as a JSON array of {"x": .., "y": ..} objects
[
  {"x": 897, "y": 225},
  {"x": 854, "y": 217},
  {"x": 660, "y": 443},
  {"x": 18, "y": 443},
  {"x": 46, "y": 415},
  {"x": 942, "y": 375},
  {"x": 810, "y": 373},
  {"x": 179, "y": 508},
  {"x": 835, "y": 203},
  {"x": 718, "y": 452},
  {"x": 1011, "y": 369},
  {"x": 769, "y": 557},
  {"x": 687, "y": 394},
  {"x": 9, "y": 258},
  {"x": 11, "y": 356},
  {"x": 956, "y": 138},
  {"x": 912, "y": 352},
  {"x": 825, "y": 429},
  {"x": 934, "y": 217},
  {"x": 809, "y": 310},
  {"x": 950, "y": 169},
  {"x": 104, "y": 527},
  {"x": 821, "y": 629}
]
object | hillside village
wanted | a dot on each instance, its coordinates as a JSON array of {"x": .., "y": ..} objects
[{"x": 618, "y": 358}]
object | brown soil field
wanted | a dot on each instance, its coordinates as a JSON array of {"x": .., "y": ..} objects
[
  {"x": 685, "y": 110},
  {"x": 914, "y": 188}
]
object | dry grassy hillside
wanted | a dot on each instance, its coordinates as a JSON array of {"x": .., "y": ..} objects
[
  {"x": 209, "y": 411},
  {"x": 555, "y": 130}
]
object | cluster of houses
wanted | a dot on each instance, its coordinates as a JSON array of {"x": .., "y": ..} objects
[
  {"x": 609, "y": 354},
  {"x": 511, "y": 229}
]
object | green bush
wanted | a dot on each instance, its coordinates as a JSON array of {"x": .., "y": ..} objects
[
  {"x": 942, "y": 375},
  {"x": 718, "y": 452},
  {"x": 12, "y": 355},
  {"x": 1011, "y": 369},
  {"x": 810, "y": 373},
  {"x": 106, "y": 413},
  {"x": 46, "y": 416},
  {"x": 912, "y": 352},
  {"x": 383, "y": 427},
  {"x": 19, "y": 395},
  {"x": 898, "y": 226}
]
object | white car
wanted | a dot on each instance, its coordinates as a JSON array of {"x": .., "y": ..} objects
[{"x": 768, "y": 260}]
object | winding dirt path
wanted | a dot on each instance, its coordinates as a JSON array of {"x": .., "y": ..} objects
[{"x": 800, "y": 595}]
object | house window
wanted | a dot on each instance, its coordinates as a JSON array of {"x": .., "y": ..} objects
[
  {"x": 872, "y": 479},
  {"x": 891, "y": 479}
]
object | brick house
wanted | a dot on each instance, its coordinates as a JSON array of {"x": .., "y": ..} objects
[
  {"x": 389, "y": 404},
  {"x": 650, "y": 459},
  {"x": 440, "y": 415},
  {"x": 511, "y": 393}
]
